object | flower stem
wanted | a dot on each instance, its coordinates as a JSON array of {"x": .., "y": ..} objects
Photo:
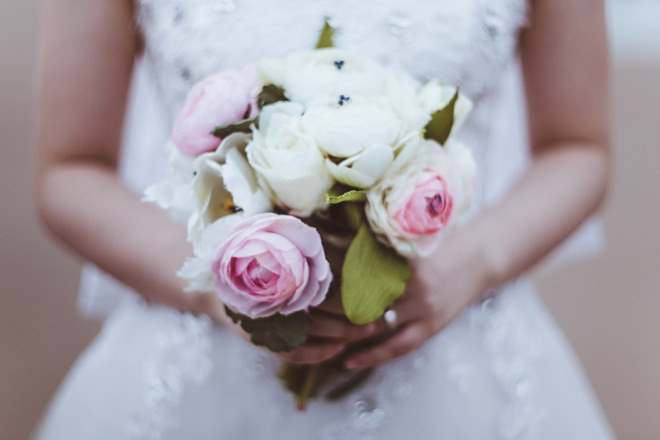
[{"x": 309, "y": 385}]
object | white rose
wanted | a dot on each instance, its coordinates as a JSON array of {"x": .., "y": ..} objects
[
  {"x": 411, "y": 208},
  {"x": 321, "y": 74},
  {"x": 350, "y": 128},
  {"x": 288, "y": 160},
  {"x": 435, "y": 95}
]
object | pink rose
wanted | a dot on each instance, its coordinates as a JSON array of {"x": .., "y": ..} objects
[
  {"x": 427, "y": 210},
  {"x": 217, "y": 100},
  {"x": 416, "y": 203},
  {"x": 271, "y": 263}
]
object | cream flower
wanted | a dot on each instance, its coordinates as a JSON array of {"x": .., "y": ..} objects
[
  {"x": 346, "y": 129},
  {"x": 308, "y": 76},
  {"x": 218, "y": 175},
  {"x": 288, "y": 160},
  {"x": 364, "y": 169}
]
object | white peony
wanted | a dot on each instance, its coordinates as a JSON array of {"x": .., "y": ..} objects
[
  {"x": 288, "y": 160},
  {"x": 346, "y": 130},
  {"x": 365, "y": 134},
  {"x": 308, "y": 76}
]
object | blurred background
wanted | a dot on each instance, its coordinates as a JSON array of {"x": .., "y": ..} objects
[{"x": 608, "y": 306}]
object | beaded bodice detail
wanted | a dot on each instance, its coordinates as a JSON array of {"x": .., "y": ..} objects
[{"x": 466, "y": 43}]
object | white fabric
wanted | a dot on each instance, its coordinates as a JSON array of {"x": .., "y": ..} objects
[{"x": 500, "y": 371}]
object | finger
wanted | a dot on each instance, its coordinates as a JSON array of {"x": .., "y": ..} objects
[
  {"x": 332, "y": 305},
  {"x": 403, "y": 342},
  {"x": 329, "y": 327},
  {"x": 312, "y": 353},
  {"x": 406, "y": 312},
  {"x": 409, "y": 310}
]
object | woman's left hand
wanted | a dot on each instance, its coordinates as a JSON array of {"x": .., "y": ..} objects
[{"x": 442, "y": 286}]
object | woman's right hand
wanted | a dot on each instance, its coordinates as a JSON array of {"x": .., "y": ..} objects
[{"x": 331, "y": 333}]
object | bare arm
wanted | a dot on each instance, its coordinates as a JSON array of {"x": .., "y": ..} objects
[
  {"x": 566, "y": 71},
  {"x": 86, "y": 60},
  {"x": 565, "y": 64}
]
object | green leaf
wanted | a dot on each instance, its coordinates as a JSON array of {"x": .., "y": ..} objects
[
  {"x": 373, "y": 277},
  {"x": 278, "y": 333},
  {"x": 354, "y": 213},
  {"x": 439, "y": 127},
  {"x": 242, "y": 126},
  {"x": 354, "y": 195},
  {"x": 326, "y": 39},
  {"x": 235, "y": 317},
  {"x": 270, "y": 94}
]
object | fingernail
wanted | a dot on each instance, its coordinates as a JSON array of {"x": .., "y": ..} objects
[{"x": 369, "y": 328}]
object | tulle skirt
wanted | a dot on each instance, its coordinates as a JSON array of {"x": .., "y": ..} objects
[{"x": 502, "y": 370}]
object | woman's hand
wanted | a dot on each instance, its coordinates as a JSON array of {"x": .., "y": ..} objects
[
  {"x": 328, "y": 338},
  {"x": 441, "y": 287},
  {"x": 330, "y": 335},
  {"x": 331, "y": 331}
]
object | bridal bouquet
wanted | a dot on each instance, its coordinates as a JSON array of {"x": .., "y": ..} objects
[{"x": 277, "y": 162}]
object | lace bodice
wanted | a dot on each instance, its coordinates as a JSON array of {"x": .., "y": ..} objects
[{"x": 466, "y": 43}]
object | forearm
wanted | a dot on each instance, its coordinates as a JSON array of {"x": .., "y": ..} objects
[
  {"x": 564, "y": 185},
  {"x": 86, "y": 206}
]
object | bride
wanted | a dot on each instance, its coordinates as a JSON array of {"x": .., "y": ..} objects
[{"x": 473, "y": 354}]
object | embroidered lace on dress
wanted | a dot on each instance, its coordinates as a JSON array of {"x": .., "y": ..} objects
[{"x": 180, "y": 358}]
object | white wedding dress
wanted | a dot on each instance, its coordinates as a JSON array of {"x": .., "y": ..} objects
[{"x": 502, "y": 370}]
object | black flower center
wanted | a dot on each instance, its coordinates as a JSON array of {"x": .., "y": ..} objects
[{"x": 343, "y": 99}]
